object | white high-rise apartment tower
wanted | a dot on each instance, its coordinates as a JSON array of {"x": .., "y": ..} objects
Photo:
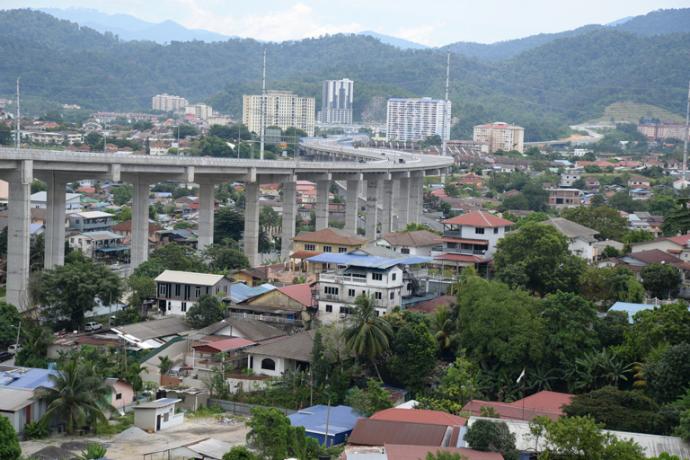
[
  {"x": 168, "y": 103},
  {"x": 336, "y": 102},
  {"x": 283, "y": 109},
  {"x": 416, "y": 119}
]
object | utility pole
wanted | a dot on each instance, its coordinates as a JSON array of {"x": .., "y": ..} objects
[
  {"x": 18, "y": 134},
  {"x": 685, "y": 141},
  {"x": 446, "y": 112},
  {"x": 263, "y": 108}
]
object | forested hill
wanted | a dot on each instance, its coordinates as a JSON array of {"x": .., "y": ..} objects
[
  {"x": 660, "y": 22},
  {"x": 564, "y": 81}
]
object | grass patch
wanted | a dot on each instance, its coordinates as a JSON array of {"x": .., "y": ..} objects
[
  {"x": 205, "y": 411},
  {"x": 116, "y": 425}
]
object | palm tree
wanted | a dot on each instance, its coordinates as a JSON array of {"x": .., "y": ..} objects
[
  {"x": 444, "y": 328},
  {"x": 366, "y": 334},
  {"x": 165, "y": 365},
  {"x": 78, "y": 394}
]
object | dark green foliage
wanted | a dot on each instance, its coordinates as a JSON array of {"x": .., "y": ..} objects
[
  {"x": 486, "y": 435},
  {"x": 5, "y": 134},
  {"x": 678, "y": 219},
  {"x": 369, "y": 400},
  {"x": 205, "y": 312},
  {"x": 36, "y": 430},
  {"x": 122, "y": 194},
  {"x": 619, "y": 410},
  {"x": 668, "y": 374},
  {"x": 413, "y": 352},
  {"x": 661, "y": 280},
  {"x": 537, "y": 258},
  {"x": 272, "y": 436},
  {"x": 9, "y": 322},
  {"x": 240, "y": 453},
  {"x": 225, "y": 258},
  {"x": 664, "y": 325},
  {"x": 71, "y": 290},
  {"x": 9, "y": 444},
  {"x": 227, "y": 224},
  {"x": 35, "y": 340},
  {"x": 607, "y": 221}
]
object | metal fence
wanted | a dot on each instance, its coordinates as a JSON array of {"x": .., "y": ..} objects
[{"x": 239, "y": 408}]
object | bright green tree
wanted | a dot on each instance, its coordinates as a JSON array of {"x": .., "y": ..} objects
[
  {"x": 369, "y": 400},
  {"x": 536, "y": 257},
  {"x": 367, "y": 334},
  {"x": 605, "y": 220},
  {"x": 224, "y": 258},
  {"x": 667, "y": 324},
  {"x": 206, "y": 311},
  {"x": 605, "y": 286},
  {"x": 9, "y": 443},
  {"x": 492, "y": 436},
  {"x": 240, "y": 453}
]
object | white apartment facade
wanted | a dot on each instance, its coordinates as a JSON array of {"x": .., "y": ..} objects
[
  {"x": 338, "y": 291},
  {"x": 336, "y": 106},
  {"x": 52, "y": 138},
  {"x": 177, "y": 291},
  {"x": 415, "y": 119},
  {"x": 201, "y": 111},
  {"x": 500, "y": 136},
  {"x": 168, "y": 103},
  {"x": 283, "y": 109}
]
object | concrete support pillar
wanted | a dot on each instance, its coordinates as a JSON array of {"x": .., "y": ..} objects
[
  {"x": 415, "y": 206},
  {"x": 402, "y": 203},
  {"x": 387, "y": 216},
  {"x": 55, "y": 223},
  {"x": 206, "y": 209},
  {"x": 322, "y": 191},
  {"x": 19, "y": 218},
  {"x": 352, "y": 206},
  {"x": 289, "y": 216},
  {"x": 251, "y": 223},
  {"x": 372, "y": 210},
  {"x": 139, "y": 244}
]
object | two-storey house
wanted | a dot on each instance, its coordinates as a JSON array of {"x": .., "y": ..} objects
[
  {"x": 104, "y": 246},
  {"x": 327, "y": 240},
  {"x": 470, "y": 239},
  {"x": 344, "y": 277},
  {"x": 90, "y": 221},
  {"x": 176, "y": 291}
]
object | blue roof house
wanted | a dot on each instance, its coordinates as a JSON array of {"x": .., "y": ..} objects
[
  {"x": 339, "y": 419},
  {"x": 19, "y": 399}
]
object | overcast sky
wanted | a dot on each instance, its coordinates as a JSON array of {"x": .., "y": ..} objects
[{"x": 431, "y": 22}]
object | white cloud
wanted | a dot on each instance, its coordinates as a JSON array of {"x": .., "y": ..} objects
[
  {"x": 298, "y": 21},
  {"x": 423, "y": 34}
]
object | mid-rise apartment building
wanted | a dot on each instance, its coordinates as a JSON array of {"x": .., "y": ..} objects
[
  {"x": 90, "y": 221},
  {"x": 176, "y": 291},
  {"x": 201, "y": 111},
  {"x": 415, "y": 119},
  {"x": 661, "y": 131},
  {"x": 168, "y": 103},
  {"x": 283, "y": 109},
  {"x": 336, "y": 105},
  {"x": 500, "y": 136}
]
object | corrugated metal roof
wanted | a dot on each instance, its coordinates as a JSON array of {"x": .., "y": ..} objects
[
  {"x": 158, "y": 403},
  {"x": 239, "y": 292},
  {"x": 341, "y": 419},
  {"x": 368, "y": 432},
  {"x": 360, "y": 259},
  {"x": 200, "y": 279}
]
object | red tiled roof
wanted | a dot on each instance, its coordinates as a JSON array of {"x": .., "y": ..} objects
[
  {"x": 655, "y": 256},
  {"x": 368, "y": 432},
  {"x": 432, "y": 305},
  {"x": 299, "y": 292},
  {"x": 407, "y": 452},
  {"x": 547, "y": 403},
  {"x": 450, "y": 239},
  {"x": 424, "y": 416},
  {"x": 217, "y": 346},
  {"x": 681, "y": 240},
  {"x": 330, "y": 236},
  {"x": 459, "y": 258},
  {"x": 480, "y": 219},
  {"x": 126, "y": 227},
  {"x": 304, "y": 254}
]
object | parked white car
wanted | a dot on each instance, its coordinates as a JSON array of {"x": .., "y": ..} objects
[{"x": 92, "y": 326}]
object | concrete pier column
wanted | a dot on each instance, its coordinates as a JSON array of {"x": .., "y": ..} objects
[
  {"x": 415, "y": 209},
  {"x": 387, "y": 212},
  {"x": 55, "y": 222},
  {"x": 251, "y": 223},
  {"x": 206, "y": 210},
  {"x": 372, "y": 210},
  {"x": 352, "y": 206},
  {"x": 139, "y": 244},
  {"x": 289, "y": 216},
  {"x": 19, "y": 218},
  {"x": 322, "y": 191},
  {"x": 402, "y": 201}
]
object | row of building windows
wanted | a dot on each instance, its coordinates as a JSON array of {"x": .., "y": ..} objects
[{"x": 312, "y": 247}]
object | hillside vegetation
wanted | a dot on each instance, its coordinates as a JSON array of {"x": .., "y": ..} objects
[{"x": 544, "y": 89}]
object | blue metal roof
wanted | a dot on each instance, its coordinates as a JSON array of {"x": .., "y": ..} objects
[
  {"x": 239, "y": 292},
  {"x": 362, "y": 259},
  {"x": 341, "y": 419},
  {"x": 27, "y": 378},
  {"x": 631, "y": 308}
]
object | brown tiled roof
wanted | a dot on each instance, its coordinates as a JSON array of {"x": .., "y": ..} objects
[
  {"x": 368, "y": 432},
  {"x": 478, "y": 219},
  {"x": 413, "y": 239},
  {"x": 297, "y": 347},
  {"x": 430, "y": 306},
  {"x": 407, "y": 452},
  {"x": 425, "y": 416},
  {"x": 655, "y": 256},
  {"x": 542, "y": 403},
  {"x": 126, "y": 227},
  {"x": 330, "y": 236}
]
